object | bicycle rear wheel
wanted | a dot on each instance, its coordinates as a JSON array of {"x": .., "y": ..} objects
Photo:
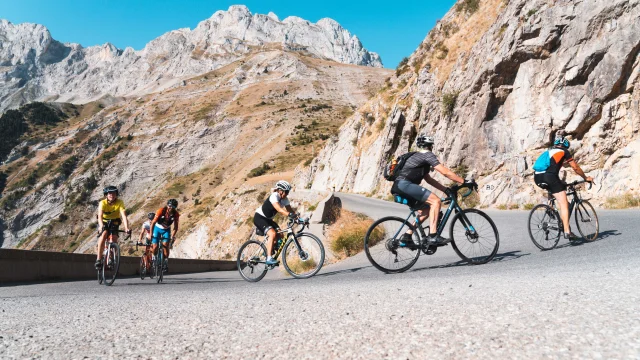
[
  {"x": 545, "y": 227},
  {"x": 251, "y": 261},
  {"x": 474, "y": 236},
  {"x": 587, "y": 220},
  {"x": 111, "y": 264},
  {"x": 100, "y": 275},
  {"x": 304, "y": 262},
  {"x": 382, "y": 245}
]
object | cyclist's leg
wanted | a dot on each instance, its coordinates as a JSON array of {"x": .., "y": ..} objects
[
  {"x": 155, "y": 240},
  {"x": 563, "y": 203},
  {"x": 434, "y": 209},
  {"x": 100, "y": 247},
  {"x": 166, "y": 237},
  {"x": 416, "y": 193},
  {"x": 271, "y": 241}
]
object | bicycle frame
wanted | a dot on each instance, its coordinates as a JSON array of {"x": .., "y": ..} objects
[
  {"x": 453, "y": 206},
  {"x": 575, "y": 198}
]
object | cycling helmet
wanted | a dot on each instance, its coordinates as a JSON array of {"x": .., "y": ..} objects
[
  {"x": 283, "y": 185},
  {"x": 423, "y": 141},
  {"x": 172, "y": 203},
  {"x": 151, "y": 216},
  {"x": 561, "y": 141},
  {"x": 110, "y": 189}
]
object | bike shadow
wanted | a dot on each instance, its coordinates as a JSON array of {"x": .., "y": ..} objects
[
  {"x": 337, "y": 272},
  {"x": 601, "y": 236},
  {"x": 502, "y": 257}
]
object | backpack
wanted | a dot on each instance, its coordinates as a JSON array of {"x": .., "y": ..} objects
[
  {"x": 543, "y": 162},
  {"x": 393, "y": 168}
]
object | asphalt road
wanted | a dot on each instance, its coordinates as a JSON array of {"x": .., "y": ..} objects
[{"x": 576, "y": 301}]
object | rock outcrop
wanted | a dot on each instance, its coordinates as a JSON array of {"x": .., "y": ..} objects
[
  {"x": 34, "y": 66},
  {"x": 494, "y": 87}
]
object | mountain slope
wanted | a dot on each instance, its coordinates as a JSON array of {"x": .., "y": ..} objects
[
  {"x": 494, "y": 82},
  {"x": 204, "y": 142},
  {"x": 34, "y": 66}
]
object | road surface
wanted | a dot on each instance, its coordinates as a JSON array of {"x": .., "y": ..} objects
[{"x": 576, "y": 301}]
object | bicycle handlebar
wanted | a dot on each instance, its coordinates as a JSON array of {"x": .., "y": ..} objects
[{"x": 578, "y": 182}]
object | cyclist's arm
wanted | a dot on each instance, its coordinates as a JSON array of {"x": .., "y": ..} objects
[
  {"x": 282, "y": 210},
  {"x": 175, "y": 229},
  {"x": 574, "y": 165},
  {"x": 100, "y": 214},
  {"x": 448, "y": 173},
  {"x": 433, "y": 182},
  {"x": 123, "y": 215},
  {"x": 289, "y": 209},
  {"x": 141, "y": 234}
]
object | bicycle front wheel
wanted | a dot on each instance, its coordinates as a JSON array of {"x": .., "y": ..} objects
[
  {"x": 474, "y": 236},
  {"x": 305, "y": 261},
  {"x": 143, "y": 267},
  {"x": 158, "y": 265},
  {"x": 545, "y": 227},
  {"x": 111, "y": 264},
  {"x": 382, "y": 245},
  {"x": 587, "y": 220},
  {"x": 251, "y": 261}
]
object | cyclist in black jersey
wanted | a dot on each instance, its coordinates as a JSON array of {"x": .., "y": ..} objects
[
  {"x": 547, "y": 170},
  {"x": 407, "y": 185},
  {"x": 263, "y": 218}
]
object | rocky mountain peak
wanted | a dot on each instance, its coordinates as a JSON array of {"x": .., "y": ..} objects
[{"x": 39, "y": 67}]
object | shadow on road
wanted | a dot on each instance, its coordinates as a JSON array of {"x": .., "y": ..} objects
[
  {"x": 338, "y": 272},
  {"x": 506, "y": 256},
  {"x": 601, "y": 236}
]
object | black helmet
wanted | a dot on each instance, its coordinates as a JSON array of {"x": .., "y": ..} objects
[
  {"x": 110, "y": 189},
  {"x": 423, "y": 141},
  {"x": 151, "y": 216},
  {"x": 172, "y": 203}
]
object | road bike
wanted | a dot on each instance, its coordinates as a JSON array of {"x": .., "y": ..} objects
[
  {"x": 303, "y": 253},
  {"x": 474, "y": 236},
  {"x": 108, "y": 272},
  {"x": 157, "y": 265},
  {"x": 146, "y": 261},
  {"x": 545, "y": 223}
]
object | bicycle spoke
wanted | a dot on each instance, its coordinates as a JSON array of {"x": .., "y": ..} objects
[{"x": 382, "y": 245}]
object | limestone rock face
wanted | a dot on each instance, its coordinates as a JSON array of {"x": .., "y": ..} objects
[
  {"x": 34, "y": 66},
  {"x": 536, "y": 69}
]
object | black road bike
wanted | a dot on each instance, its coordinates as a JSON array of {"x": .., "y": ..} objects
[
  {"x": 474, "y": 236},
  {"x": 303, "y": 253},
  {"x": 545, "y": 223}
]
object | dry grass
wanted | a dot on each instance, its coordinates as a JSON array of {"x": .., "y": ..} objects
[
  {"x": 623, "y": 201},
  {"x": 299, "y": 267},
  {"x": 528, "y": 206},
  {"x": 346, "y": 235}
]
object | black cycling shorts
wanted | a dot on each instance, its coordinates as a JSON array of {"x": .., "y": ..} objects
[
  {"x": 112, "y": 225},
  {"x": 410, "y": 191},
  {"x": 550, "y": 182},
  {"x": 263, "y": 224}
]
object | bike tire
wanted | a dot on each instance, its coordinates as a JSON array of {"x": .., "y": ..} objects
[
  {"x": 252, "y": 258},
  {"x": 586, "y": 214},
  {"x": 381, "y": 245},
  {"x": 159, "y": 263},
  {"x": 545, "y": 221},
  {"x": 476, "y": 246},
  {"x": 100, "y": 276},
  {"x": 313, "y": 261},
  {"x": 111, "y": 264},
  {"x": 143, "y": 267}
]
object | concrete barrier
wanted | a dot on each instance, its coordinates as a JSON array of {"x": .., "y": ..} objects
[{"x": 26, "y": 265}]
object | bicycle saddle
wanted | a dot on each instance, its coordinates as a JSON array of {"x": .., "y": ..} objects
[{"x": 403, "y": 200}]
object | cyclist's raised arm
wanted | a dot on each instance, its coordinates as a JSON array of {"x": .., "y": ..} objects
[
  {"x": 448, "y": 173},
  {"x": 433, "y": 182}
]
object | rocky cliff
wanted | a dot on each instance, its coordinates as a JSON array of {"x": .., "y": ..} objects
[
  {"x": 494, "y": 82},
  {"x": 34, "y": 66}
]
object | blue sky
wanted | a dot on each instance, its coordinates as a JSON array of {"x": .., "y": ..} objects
[{"x": 392, "y": 29}]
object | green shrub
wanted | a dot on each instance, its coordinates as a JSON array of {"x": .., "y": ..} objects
[
  {"x": 468, "y": 6},
  {"x": 502, "y": 207},
  {"x": 449, "y": 102}
]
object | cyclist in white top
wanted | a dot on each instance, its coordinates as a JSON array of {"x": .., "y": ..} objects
[{"x": 263, "y": 218}]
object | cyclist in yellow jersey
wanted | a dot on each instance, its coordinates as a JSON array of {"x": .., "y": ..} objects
[{"x": 111, "y": 212}]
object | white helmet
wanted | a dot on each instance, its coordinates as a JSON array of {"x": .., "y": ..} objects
[
  {"x": 423, "y": 141},
  {"x": 283, "y": 185}
]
